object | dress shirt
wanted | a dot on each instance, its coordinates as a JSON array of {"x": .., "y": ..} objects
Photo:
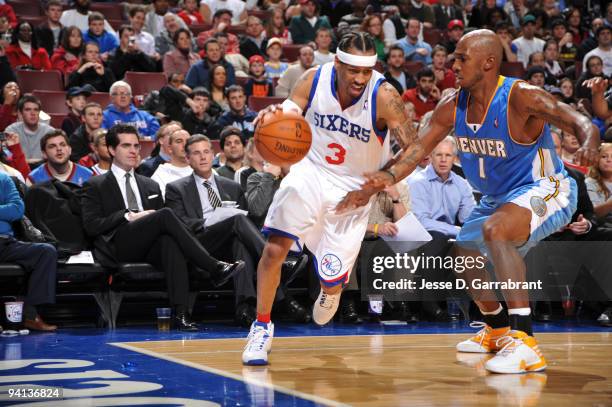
[
  {"x": 119, "y": 174},
  {"x": 437, "y": 204},
  {"x": 207, "y": 208}
]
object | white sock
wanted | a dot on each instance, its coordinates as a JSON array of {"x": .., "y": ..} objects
[
  {"x": 519, "y": 311},
  {"x": 497, "y": 311}
]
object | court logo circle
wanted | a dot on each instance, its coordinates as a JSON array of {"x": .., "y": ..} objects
[{"x": 331, "y": 265}]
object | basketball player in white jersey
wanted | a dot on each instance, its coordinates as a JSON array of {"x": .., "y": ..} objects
[{"x": 352, "y": 113}]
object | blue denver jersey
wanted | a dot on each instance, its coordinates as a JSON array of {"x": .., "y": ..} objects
[
  {"x": 493, "y": 162},
  {"x": 79, "y": 174}
]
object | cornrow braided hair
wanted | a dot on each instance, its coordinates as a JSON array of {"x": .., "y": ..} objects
[{"x": 357, "y": 40}]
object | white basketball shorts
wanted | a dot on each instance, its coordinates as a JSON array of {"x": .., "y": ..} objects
[{"x": 303, "y": 209}]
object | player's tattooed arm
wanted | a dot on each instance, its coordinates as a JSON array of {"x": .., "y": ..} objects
[
  {"x": 536, "y": 102},
  {"x": 417, "y": 147}
]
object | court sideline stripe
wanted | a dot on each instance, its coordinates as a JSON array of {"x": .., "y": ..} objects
[{"x": 208, "y": 369}]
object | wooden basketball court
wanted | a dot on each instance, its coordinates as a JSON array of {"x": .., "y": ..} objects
[{"x": 409, "y": 370}]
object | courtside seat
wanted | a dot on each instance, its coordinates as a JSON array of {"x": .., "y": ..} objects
[{"x": 11, "y": 270}]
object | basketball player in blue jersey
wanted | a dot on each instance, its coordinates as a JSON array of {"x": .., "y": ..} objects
[
  {"x": 351, "y": 111},
  {"x": 507, "y": 153}
]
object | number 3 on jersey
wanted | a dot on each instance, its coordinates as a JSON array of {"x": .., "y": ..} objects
[{"x": 339, "y": 153}]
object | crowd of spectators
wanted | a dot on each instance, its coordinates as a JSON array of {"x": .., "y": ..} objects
[{"x": 218, "y": 55}]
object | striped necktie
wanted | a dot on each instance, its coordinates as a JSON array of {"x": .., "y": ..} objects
[{"x": 215, "y": 202}]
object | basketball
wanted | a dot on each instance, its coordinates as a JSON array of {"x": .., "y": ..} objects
[{"x": 283, "y": 137}]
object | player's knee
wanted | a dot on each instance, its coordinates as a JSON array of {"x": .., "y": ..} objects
[
  {"x": 273, "y": 253},
  {"x": 493, "y": 230}
]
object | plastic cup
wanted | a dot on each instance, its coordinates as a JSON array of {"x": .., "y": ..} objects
[
  {"x": 14, "y": 314},
  {"x": 163, "y": 319},
  {"x": 569, "y": 305}
]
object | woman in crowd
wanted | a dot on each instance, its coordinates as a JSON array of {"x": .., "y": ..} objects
[
  {"x": 8, "y": 110},
  {"x": 594, "y": 67},
  {"x": 574, "y": 26},
  {"x": 599, "y": 185},
  {"x": 276, "y": 28},
  {"x": 66, "y": 57},
  {"x": 182, "y": 58},
  {"x": 92, "y": 70},
  {"x": 218, "y": 83},
  {"x": 551, "y": 60},
  {"x": 567, "y": 88},
  {"x": 24, "y": 50},
  {"x": 372, "y": 24}
]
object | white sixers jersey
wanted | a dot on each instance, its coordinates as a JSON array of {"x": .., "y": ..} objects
[{"x": 345, "y": 144}]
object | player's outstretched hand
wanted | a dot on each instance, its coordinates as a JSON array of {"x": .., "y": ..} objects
[
  {"x": 597, "y": 85},
  {"x": 375, "y": 182},
  {"x": 272, "y": 108},
  {"x": 586, "y": 156}
]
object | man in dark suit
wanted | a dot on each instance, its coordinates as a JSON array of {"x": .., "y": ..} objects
[
  {"x": 446, "y": 11},
  {"x": 195, "y": 198},
  {"x": 124, "y": 212}
]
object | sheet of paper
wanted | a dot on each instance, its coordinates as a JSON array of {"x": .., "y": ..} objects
[
  {"x": 220, "y": 214},
  {"x": 411, "y": 234},
  {"x": 84, "y": 257}
]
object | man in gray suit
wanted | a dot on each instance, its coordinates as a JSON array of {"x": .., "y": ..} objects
[{"x": 195, "y": 198}]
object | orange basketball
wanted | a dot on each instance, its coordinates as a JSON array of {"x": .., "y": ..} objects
[{"x": 283, "y": 137}]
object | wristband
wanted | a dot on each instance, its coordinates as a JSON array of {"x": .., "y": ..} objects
[{"x": 376, "y": 230}]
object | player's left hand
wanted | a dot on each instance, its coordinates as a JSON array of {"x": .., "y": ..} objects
[{"x": 586, "y": 156}]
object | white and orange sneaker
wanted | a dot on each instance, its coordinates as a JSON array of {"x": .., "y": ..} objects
[
  {"x": 519, "y": 354},
  {"x": 484, "y": 341}
]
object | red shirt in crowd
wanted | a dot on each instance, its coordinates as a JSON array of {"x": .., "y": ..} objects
[
  {"x": 448, "y": 81},
  {"x": 191, "y": 18},
  {"x": 420, "y": 106},
  {"x": 7, "y": 116},
  {"x": 16, "y": 57},
  {"x": 62, "y": 64}
]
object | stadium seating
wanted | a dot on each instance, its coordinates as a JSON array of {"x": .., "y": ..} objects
[
  {"x": 198, "y": 28},
  {"x": 25, "y": 8},
  {"x": 514, "y": 69},
  {"x": 432, "y": 36},
  {"x": 259, "y": 102},
  {"x": 57, "y": 119},
  {"x": 412, "y": 67},
  {"x": 52, "y": 101},
  {"x": 110, "y": 11},
  {"x": 102, "y": 98},
  {"x": 291, "y": 52},
  {"x": 39, "y": 80},
  {"x": 144, "y": 82}
]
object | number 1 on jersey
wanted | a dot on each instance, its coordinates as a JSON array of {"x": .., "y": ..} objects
[
  {"x": 481, "y": 167},
  {"x": 339, "y": 153}
]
